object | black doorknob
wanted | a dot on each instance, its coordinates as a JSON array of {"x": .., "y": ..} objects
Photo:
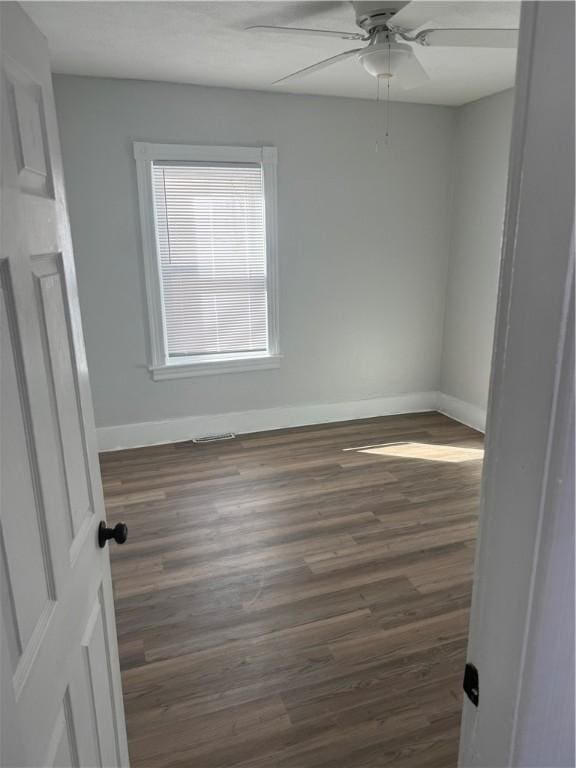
[{"x": 119, "y": 533}]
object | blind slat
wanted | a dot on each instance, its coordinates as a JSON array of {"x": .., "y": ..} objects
[{"x": 211, "y": 241}]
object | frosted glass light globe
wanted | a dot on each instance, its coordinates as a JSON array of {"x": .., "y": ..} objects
[{"x": 384, "y": 59}]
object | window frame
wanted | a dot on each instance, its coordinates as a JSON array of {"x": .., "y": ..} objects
[{"x": 145, "y": 154}]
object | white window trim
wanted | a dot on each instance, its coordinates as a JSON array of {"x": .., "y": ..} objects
[{"x": 145, "y": 154}]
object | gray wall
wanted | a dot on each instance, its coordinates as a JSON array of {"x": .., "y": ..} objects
[
  {"x": 363, "y": 242},
  {"x": 479, "y": 190}
]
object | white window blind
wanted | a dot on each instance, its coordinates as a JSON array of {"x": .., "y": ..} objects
[{"x": 211, "y": 242}]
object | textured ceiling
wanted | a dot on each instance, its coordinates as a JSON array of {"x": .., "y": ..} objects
[{"x": 206, "y": 43}]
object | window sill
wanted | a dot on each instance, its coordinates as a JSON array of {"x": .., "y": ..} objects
[{"x": 237, "y": 365}]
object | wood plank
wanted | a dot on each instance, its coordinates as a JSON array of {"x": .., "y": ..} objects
[{"x": 297, "y": 598}]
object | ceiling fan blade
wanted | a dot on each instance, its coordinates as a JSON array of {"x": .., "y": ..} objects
[
  {"x": 320, "y": 65},
  {"x": 469, "y": 38},
  {"x": 472, "y": 14},
  {"x": 303, "y": 31},
  {"x": 419, "y": 12},
  {"x": 411, "y": 74}
]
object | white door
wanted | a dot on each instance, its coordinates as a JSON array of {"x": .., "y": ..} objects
[{"x": 60, "y": 687}]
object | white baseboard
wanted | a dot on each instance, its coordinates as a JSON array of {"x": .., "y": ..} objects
[
  {"x": 466, "y": 413},
  {"x": 242, "y": 422},
  {"x": 176, "y": 430}
]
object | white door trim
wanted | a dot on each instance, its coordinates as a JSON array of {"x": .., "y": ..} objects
[{"x": 526, "y": 420}]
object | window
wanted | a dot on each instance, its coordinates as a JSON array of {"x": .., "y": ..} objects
[{"x": 208, "y": 218}]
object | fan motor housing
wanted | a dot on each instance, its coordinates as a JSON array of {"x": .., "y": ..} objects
[{"x": 375, "y": 15}]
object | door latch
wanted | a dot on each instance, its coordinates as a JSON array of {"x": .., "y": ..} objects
[{"x": 471, "y": 683}]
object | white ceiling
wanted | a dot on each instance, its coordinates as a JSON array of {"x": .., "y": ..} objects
[{"x": 206, "y": 43}]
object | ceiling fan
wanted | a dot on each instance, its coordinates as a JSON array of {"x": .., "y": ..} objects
[{"x": 392, "y": 31}]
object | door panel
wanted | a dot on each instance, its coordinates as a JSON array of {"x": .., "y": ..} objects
[
  {"x": 62, "y": 750},
  {"x": 60, "y": 685},
  {"x": 65, "y": 401},
  {"x": 25, "y": 109},
  {"x": 95, "y": 654},
  {"x": 90, "y": 695},
  {"x": 29, "y": 580},
  {"x": 11, "y": 641}
]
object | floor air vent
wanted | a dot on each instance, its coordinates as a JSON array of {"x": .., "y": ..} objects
[{"x": 214, "y": 438}]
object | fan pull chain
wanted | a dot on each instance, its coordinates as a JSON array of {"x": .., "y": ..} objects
[
  {"x": 386, "y": 104},
  {"x": 387, "y": 124},
  {"x": 387, "y": 114},
  {"x": 378, "y": 99}
]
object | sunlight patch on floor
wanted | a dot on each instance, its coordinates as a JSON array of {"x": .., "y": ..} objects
[{"x": 423, "y": 451}]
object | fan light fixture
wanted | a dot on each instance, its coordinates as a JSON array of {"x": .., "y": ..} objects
[
  {"x": 385, "y": 59},
  {"x": 392, "y": 61}
]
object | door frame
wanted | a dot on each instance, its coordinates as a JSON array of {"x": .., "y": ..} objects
[{"x": 527, "y": 497}]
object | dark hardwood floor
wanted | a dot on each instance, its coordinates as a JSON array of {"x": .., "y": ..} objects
[{"x": 297, "y": 598}]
